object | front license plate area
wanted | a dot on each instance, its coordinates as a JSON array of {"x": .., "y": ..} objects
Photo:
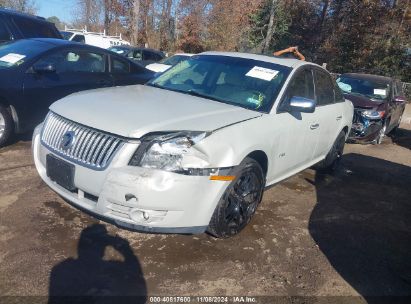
[{"x": 60, "y": 172}]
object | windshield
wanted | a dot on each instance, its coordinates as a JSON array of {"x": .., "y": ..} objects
[
  {"x": 15, "y": 53},
  {"x": 173, "y": 60},
  {"x": 66, "y": 35},
  {"x": 237, "y": 81},
  {"x": 364, "y": 87}
]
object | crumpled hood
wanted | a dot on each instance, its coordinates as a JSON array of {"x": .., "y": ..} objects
[
  {"x": 362, "y": 101},
  {"x": 134, "y": 111}
]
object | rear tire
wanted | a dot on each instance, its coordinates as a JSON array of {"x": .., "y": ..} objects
[
  {"x": 333, "y": 158},
  {"x": 6, "y": 125},
  {"x": 240, "y": 200}
]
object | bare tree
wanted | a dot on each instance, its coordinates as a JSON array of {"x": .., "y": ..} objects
[
  {"x": 25, "y": 6},
  {"x": 270, "y": 30},
  {"x": 134, "y": 21}
]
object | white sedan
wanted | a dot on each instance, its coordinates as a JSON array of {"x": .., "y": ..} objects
[
  {"x": 193, "y": 150},
  {"x": 167, "y": 63}
]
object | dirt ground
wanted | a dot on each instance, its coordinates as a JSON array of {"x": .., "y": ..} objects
[{"x": 342, "y": 238}]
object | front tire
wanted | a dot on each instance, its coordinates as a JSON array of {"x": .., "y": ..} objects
[
  {"x": 6, "y": 125},
  {"x": 240, "y": 200}
]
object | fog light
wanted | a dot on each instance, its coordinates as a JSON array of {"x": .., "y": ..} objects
[{"x": 146, "y": 216}]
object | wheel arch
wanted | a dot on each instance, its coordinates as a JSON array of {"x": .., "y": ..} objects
[
  {"x": 261, "y": 158},
  {"x": 13, "y": 112}
]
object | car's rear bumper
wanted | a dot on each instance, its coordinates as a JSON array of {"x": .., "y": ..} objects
[{"x": 137, "y": 198}]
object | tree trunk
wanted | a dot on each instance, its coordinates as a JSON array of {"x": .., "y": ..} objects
[
  {"x": 134, "y": 22},
  {"x": 271, "y": 28},
  {"x": 107, "y": 21}
]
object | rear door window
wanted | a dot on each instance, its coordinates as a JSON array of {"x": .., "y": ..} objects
[
  {"x": 324, "y": 88},
  {"x": 76, "y": 61},
  {"x": 4, "y": 32}
]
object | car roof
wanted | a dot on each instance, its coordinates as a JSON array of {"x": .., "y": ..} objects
[
  {"x": 136, "y": 48},
  {"x": 369, "y": 77},
  {"x": 289, "y": 62},
  {"x": 183, "y": 54},
  {"x": 20, "y": 14},
  {"x": 55, "y": 42}
]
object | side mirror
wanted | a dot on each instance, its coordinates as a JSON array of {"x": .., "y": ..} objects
[
  {"x": 301, "y": 104},
  {"x": 44, "y": 68},
  {"x": 400, "y": 99}
]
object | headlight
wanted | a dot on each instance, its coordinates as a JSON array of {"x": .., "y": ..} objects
[
  {"x": 166, "y": 152},
  {"x": 373, "y": 114}
]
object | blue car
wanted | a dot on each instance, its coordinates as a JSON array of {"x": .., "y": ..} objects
[{"x": 36, "y": 72}]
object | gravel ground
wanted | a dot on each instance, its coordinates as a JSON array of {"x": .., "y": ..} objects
[{"x": 342, "y": 238}]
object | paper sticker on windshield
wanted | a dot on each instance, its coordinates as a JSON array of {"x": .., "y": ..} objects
[
  {"x": 262, "y": 73},
  {"x": 381, "y": 92},
  {"x": 12, "y": 58}
]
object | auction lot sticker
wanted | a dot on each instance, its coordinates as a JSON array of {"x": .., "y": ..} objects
[
  {"x": 262, "y": 73},
  {"x": 12, "y": 58}
]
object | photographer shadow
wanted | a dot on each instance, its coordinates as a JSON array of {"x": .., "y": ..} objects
[
  {"x": 92, "y": 279},
  {"x": 362, "y": 224}
]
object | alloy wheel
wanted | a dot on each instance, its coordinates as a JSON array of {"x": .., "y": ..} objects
[{"x": 242, "y": 201}]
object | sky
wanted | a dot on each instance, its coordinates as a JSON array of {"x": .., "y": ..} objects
[{"x": 63, "y": 9}]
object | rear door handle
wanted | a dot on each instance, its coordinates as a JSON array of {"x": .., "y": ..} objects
[
  {"x": 315, "y": 126},
  {"x": 339, "y": 117}
]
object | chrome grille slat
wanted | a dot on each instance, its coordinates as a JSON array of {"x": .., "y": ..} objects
[
  {"x": 103, "y": 152},
  {"x": 91, "y": 148},
  {"x": 59, "y": 126},
  {"x": 99, "y": 148},
  {"x": 110, "y": 151},
  {"x": 81, "y": 135},
  {"x": 88, "y": 147}
]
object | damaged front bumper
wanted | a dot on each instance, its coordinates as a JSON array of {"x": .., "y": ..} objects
[
  {"x": 364, "y": 130},
  {"x": 138, "y": 198}
]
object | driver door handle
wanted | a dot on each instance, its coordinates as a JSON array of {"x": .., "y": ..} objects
[{"x": 315, "y": 126}]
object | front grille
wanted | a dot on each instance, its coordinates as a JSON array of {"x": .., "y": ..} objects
[{"x": 89, "y": 147}]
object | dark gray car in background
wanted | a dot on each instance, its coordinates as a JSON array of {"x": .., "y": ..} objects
[{"x": 15, "y": 25}]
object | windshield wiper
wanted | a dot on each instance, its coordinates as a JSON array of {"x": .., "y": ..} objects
[{"x": 202, "y": 95}]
